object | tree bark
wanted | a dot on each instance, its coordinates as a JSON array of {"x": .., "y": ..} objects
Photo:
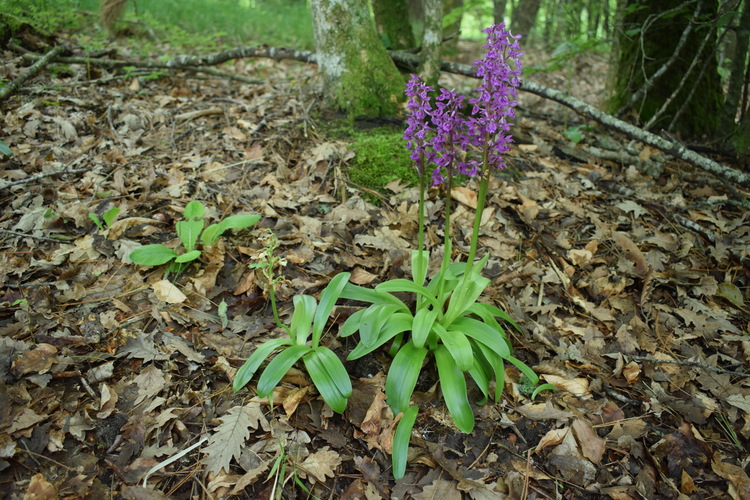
[
  {"x": 524, "y": 16},
  {"x": 432, "y": 40},
  {"x": 737, "y": 79},
  {"x": 666, "y": 51},
  {"x": 359, "y": 78},
  {"x": 498, "y": 11},
  {"x": 392, "y": 23}
]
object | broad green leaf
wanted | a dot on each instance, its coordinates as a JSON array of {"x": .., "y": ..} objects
[
  {"x": 110, "y": 215},
  {"x": 188, "y": 231},
  {"x": 211, "y": 234},
  {"x": 402, "y": 376},
  {"x": 481, "y": 378},
  {"x": 480, "y": 332},
  {"x": 222, "y": 312},
  {"x": 278, "y": 367},
  {"x": 404, "y": 285},
  {"x": 372, "y": 322},
  {"x": 4, "y": 149},
  {"x": 193, "y": 210},
  {"x": 362, "y": 294},
  {"x": 730, "y": 292},
  {"x": 398, "y": 323},
  {"x": 335, "y": 389},
  {"x": 96, "y": 220},
  {"x": 152, "y": 255},
  {"x": 497, "y": 365},
  {"x": 453, "y": 386},
  {"x": 422, "y": 325},
  {"x": 401, "y": 439},
  {"x": 458, "y": 346},
  {"x": 239, "y": 221},
  {"x": 188, "y": 256},
  {"x": 335, "y": 369},
  {"x": 481, "y": 309},
  {"x": 328, "y": 299},
  {"x": 302, "y": 317},
  {"x": 248, "y": 369},
  {"x": 525, "y": 369},
  {"x": 420, "y": 261},
  {"x": 351, "y": 325},
  {"x": 464, "y": 296}
]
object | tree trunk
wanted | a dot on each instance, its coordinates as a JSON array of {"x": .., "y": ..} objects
[
  {"x": 498, "y": 11},
  {"x": 432, "y": 41},
  {"x": 524, "y": 16},
  {"x": 737, "y": 74},
  {"x": 392, "y": 22},
  {"x": 666, "y": 59},
  {"x": 359, "y": 78}
]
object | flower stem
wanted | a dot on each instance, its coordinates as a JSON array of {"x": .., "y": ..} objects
[{"x": 483, "y": 184}]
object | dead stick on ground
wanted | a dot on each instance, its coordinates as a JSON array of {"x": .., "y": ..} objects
[
  {"x": 412, "y": 61},
  {"x": 32, "y": 71},
  {"x": 36, "y": 177},
  {"x": 690, "y": 363}
]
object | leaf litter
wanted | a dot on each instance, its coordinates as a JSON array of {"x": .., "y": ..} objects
[{"x": 632, "y": 290}]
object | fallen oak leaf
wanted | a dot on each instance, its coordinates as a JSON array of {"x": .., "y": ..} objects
[
  {"x": 322, "y": 463},
  {"x": 229, "y": 437}
]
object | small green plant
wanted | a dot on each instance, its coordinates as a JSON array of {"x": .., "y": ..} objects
[
  {"x": 279, "y": 474},
  {"x": 576, "y": 133},
  {"x": 106, "y": 219},
  {"x": 303, "y": 342},
  {"x": 190, "y": 231},
  {"x": 5, "y": 150}
]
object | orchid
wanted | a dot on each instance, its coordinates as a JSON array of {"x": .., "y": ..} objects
[{"x": 448, "y": 323}]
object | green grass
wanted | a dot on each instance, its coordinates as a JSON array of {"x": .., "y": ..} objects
[{"x": 202, "y": 25}]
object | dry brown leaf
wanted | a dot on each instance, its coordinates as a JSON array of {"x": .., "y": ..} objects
[
  {"x": 228, "y": 439},
  {"x": 167, "y": 292},
  {"x": 576, "y": 386},
  {"x": 322, "y": 463},
  {"x": 631, "y": 252},
  {"x": 552, "y": 438},
  {"x": 38, "y": 360},
  {"x": 40, "y": 489},
  {"x": 293, "y": 398},
  {"x": 592, "y": 446},
  {"x": 631, "y": 371}
]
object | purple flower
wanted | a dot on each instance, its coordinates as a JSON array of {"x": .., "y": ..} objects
[
  {"x": 418, "y": 126},
  {"x": 436, "y": 130},
  {"x": 497, "y": 94}
]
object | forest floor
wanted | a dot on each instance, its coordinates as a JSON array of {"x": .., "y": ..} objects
[{"x": 633, "y": 302}]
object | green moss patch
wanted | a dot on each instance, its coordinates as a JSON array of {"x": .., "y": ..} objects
[{"x": 381, "y": 157}]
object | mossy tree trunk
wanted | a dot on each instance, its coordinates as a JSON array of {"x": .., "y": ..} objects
[
  {"x": 392, "y": 22},
  {"x": 739, "y": 75},
  {"x": 359, "y": 78},
  {"x": 432, "y": 40},
  {"x": 664, "y": 69}
]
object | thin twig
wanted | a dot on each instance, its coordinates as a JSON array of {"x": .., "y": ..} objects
[
  {"x": 42, "y": 176},
  {"x": 32, "y": 71},
  {"x": 690, "y": 363}
]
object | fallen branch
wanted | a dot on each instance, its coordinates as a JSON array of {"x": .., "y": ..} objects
[
  {"x": 411, "y": 61},
  {"x": 30, "y": 72},
  {"x": 674, "y": 148}
]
